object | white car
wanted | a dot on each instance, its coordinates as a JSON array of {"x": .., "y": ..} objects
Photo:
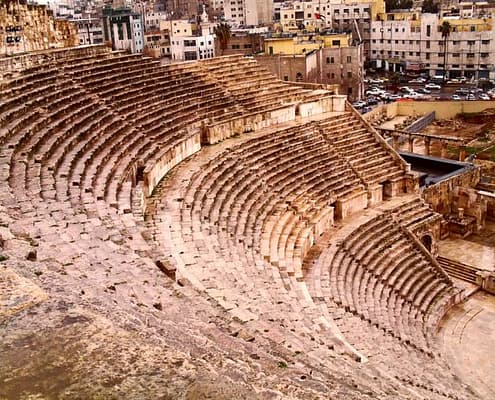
[
  {"x": 471, "y": 96},
  {"x": 484, "y": 96},
  {"x": 375, "y": 92},
  {"x": 413, "y": 95},
  {"x": 432, "y": 86},
  {"x": 418, "y": 80},
  {"x": 359, "y": 104},
  {"x": 456, "y": 97}
]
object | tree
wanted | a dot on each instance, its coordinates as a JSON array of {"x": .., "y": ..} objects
[
  {"x": 223, "y": 34},
  {"x": 445, "y": 28},
  {"x": 398, "y": 5},
  {"x": 429, "y": 6}
]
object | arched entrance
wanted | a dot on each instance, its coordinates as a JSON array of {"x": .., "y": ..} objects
[{"x": 427, "y": 242}]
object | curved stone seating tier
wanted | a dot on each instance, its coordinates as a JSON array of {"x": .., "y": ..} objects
[
  {"x": 362, "y": 149},
  {"x": 251, "y": 84},
  {"x": 250, "y": 289},
  {"x": 381, "y": 321},
  {"x": 376, "y": 272},
  {"x": 238, "y": 221}
]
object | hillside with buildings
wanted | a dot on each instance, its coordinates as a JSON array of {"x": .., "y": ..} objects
[{"x": 198, "y": 202}]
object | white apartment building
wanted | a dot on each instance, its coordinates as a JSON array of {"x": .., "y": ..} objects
[
  {"x": 124, "y": 29},
  {"x": 248, "y": 12},
  {"x": 89, "y": 30},
  {"x": 410, "y": 41},
  {"x": 193, "y": 46}
]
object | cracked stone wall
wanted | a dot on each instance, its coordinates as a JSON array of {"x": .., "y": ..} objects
[{"x": 25, "y": 28}]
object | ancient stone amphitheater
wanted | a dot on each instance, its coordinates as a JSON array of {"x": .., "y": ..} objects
[{"x": 203, "y": 230}]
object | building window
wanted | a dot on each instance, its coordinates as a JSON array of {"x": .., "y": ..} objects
[
  {"x": 455, "y": 54},
  {"x": 428, "y": 30},
  {"x": 428, "y": 44},
  {"x": 471, "y": 42},
  {"x": 335, "y": 42},
  {"x": 349, "y": 74},
  {"x": 349, "y": 59},
  {"x": 470, "y": 55},
  {"x": 286, "y": 78},
  {"x": 485, "y": 42},
  {"x": 472, "y": 28}
]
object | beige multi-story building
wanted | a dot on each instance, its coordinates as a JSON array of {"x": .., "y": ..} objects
[
  {"x": 331, "y": 59},
  {"x": 248, "y": 12},
  {"x": 338, "y": 15},
  {"x": 410, "y": 41}
]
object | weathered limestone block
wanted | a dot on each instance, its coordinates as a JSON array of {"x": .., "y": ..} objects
[
  {"x": 351, "y": 204},
  {"x": 169, "y": 159},
  {"x": 375, "y": 195},
  {"x": 338, "y": 103}
]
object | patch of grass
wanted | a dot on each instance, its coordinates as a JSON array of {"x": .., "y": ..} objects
[
  {"x": 282, "y": 364},
  {"x": 3, "y": 257},
  {"x": 472, "y": 150}
]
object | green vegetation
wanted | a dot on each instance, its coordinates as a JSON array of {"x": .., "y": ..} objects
[
  {"x": 398, "y": 5},
  {"x": 429, "y": 6},
  {"x": 282, "y": 364},
  {"x": 223, "y": 34}
]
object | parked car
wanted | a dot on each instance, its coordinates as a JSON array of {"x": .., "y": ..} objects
[
  {"x": 412, "y": 95},
  {"x": 432, "y": 86},
  {"x": 371, "y": 101},
  {"x": 418, "y": 80},
  {"x": 423, "y": 91},
  {"x": 393, "y": 97},
  {"x": 471, "y": 96},
  {"x": 484, "y": 96},
  {"x": 456, "y": 97},
  {"x": 405, "y": 89},
  {"x": 374, "y": 92},
  {"x": 359, "y": 104}
]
